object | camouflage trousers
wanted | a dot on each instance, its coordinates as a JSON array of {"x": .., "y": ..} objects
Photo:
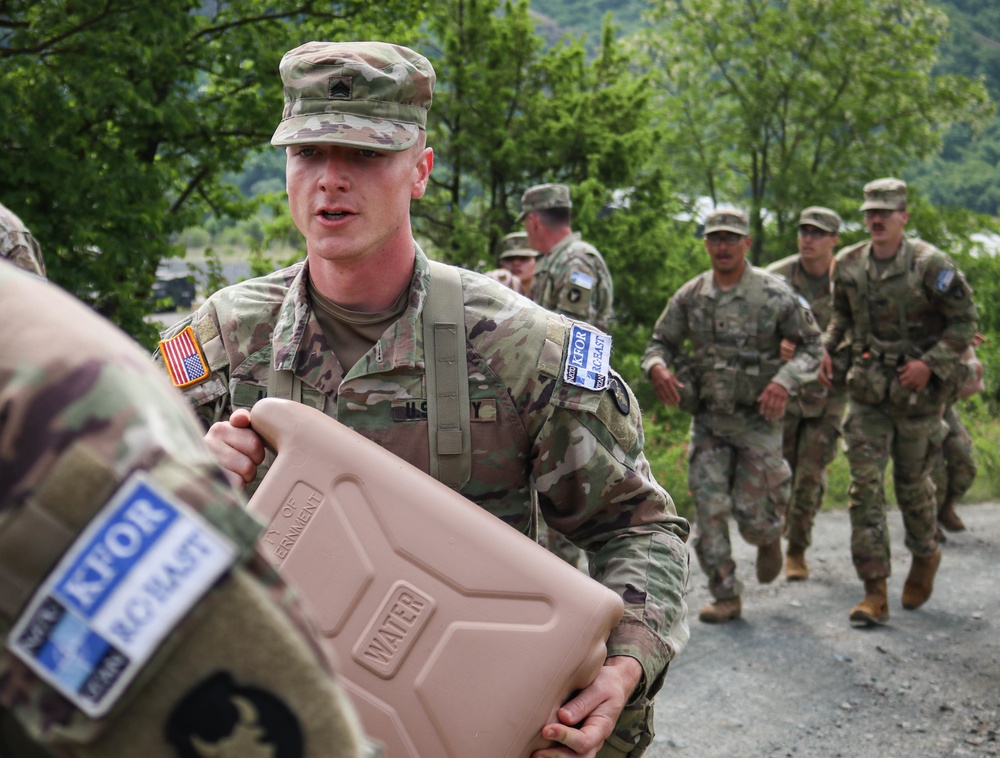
[
  {"x": 873, "y": 434},
  {"x": 735, "y": 468},
  {"x": 955, "y": 470},
  {"x": 810, "y": 445}
]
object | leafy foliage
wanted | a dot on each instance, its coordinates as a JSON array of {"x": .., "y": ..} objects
[
  {"x": 129, "y": 115},
  {"x": 770, "y": 100}
]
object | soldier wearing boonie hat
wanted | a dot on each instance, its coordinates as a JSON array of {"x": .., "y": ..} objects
[
  {"x": 571, "y": 277},
  {"x": 887, "y": 194},
  {"x": 903, "y": 373},
  {"x": 354, "y": 331},
  {"x": 813, "y": 419},
  {"x": 362, "y": 94}
]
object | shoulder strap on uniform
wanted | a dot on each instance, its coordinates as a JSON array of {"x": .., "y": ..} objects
[
  {"x": 755, "y": 294},
  {"x": 449, "y": 426}
]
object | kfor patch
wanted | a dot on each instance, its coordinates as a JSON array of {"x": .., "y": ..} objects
[
  {"x": 135, "y": 571},
  {"x": 587, "y": 358}
]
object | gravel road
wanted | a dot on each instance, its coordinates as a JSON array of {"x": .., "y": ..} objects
[{"x": 792, "y": 678}]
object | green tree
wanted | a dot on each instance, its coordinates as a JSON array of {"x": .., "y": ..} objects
[
  {"x": 509, "y": 112},
  {"x": 130, "y": 114},
  {"x": 776, "y": 104}
]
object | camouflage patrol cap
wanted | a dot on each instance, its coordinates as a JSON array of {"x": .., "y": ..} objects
[
  {"x": 515, "y": 245},
  {"x": 358, "y": 94},
  {"x": 885, "y": 194},
  {"x": 544, "y": 196},
  {"x": 727, "y": 220},
  {"x": 821, "y": 218}
]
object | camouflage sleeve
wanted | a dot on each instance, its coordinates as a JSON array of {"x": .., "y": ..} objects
[
  {"x": 841, "y": 320},
  {"x": 595, "y": 485},
  {"x": 669, "y": 335},
  {"x": 99, "y": 452},
  {"x": 584, "y": 291},
  {"x": 951, "y": 295},
  {"x": 798, "y": 324}
]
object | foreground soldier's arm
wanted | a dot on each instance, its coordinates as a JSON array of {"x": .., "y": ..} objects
[{"x": 95, "y": 451}]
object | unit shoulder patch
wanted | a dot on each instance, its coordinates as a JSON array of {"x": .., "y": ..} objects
[
  {"x": 587, "y": 358},
  {"x": 136, "y": 570}
]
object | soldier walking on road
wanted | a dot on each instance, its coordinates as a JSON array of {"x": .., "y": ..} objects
[
  {"x": 571, "y": 277},
  {"x": 813, "y": 418},
  {"x": 908, "y": 313},
  {"x": 363, "y": 326},
  {"x": 733, "y": 380}
]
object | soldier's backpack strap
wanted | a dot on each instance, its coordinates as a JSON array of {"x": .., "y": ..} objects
[
  {"x": 284, "y": 384},
  {"x": 449, "y": 426},
  {"x": 755, "y": 294}
]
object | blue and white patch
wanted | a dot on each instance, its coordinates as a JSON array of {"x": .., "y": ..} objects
[
  {"x": 128, "y": 579},
  {"x": 588, "y": 358},
  {"x": 581, "y": 279},
  {"x": 944, "y": 279}
]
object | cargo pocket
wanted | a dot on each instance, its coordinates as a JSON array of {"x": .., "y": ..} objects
[
  {"x": 929, "y": 400},
  {"x": 812, "y": 399},
  {"x": 866, "y": 382}
]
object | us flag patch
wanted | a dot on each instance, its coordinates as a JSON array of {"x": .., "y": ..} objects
[{"x": 184, "y": 359}]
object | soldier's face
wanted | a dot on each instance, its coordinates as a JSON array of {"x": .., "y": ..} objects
[
  {"x": 886, "y": 226},
  {"x": 521, "y": 266},
  {"x": 727, "y": 250},
  {"x": 351, "y": 203},
  {"x": 816, "y": 244}
]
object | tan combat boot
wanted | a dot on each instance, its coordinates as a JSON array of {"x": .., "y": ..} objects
[
  {"x": 769, "y": 561},
  {"x": 920, "y": 580},
  {"x": 947, "y": 517},
  {"x": 796, "y": 569},
  {"x": 874, "y": 609},
  {"x": 721, "y": 611}
]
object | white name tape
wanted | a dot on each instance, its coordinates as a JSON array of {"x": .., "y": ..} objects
[
  {"x": 588, "y": 358},
  {"x": 125, "y": 583}
]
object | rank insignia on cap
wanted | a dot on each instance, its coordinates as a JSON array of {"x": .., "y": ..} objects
[
  {"x": 341, "y": 87},
  {"x": 184, "y": 359}
]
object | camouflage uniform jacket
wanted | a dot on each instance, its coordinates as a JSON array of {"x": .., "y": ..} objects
[
  {"x": 717, "y": 333},
  {"x": 573, "y": 279},
  {"x": 580, "y": 450},
  {"x": 18, "y": 244},
  {"x": 81, "y": 409},
  {"x": 921, "y": 304},
  {"x": 791, "y": 270}
]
